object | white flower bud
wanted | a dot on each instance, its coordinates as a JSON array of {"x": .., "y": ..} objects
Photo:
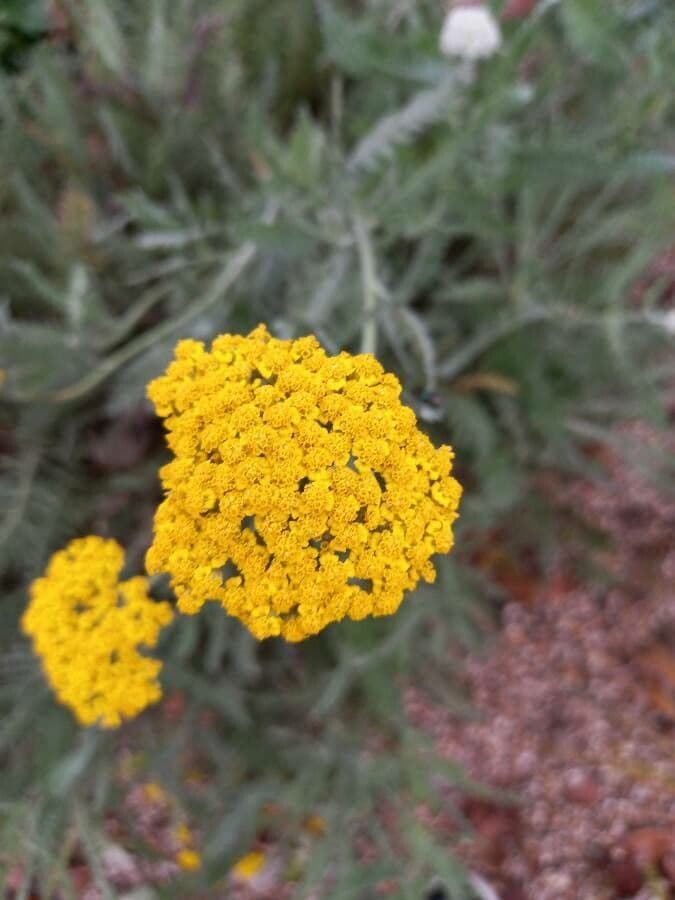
[{"x": 470, "y": 32}]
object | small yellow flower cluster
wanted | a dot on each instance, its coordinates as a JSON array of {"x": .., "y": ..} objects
[
  {"x": 301, "y": 491},
  {"x": 156, "y": 794},
  {"x": 189, "y": 860},
  {"x": 187, "y": 857},
  {"x": 315, "y": 825},
  {"x": 248, "y": 866},
  {"x": 164, "y": 806},
  {"x": 87, "y": 626}
]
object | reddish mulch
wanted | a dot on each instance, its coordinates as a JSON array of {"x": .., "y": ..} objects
[{"x": 576, "y": 710}]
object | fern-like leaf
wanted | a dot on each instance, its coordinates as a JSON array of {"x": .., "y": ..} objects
[{"x": 402, "y": 127}]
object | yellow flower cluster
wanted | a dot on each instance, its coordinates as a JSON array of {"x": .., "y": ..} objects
[
  {"x": 249, "y": 866},
  {"x": 187, "y": 857},
  {"x": 87, "y": 626},
  {"x": 301, "y": 490}
]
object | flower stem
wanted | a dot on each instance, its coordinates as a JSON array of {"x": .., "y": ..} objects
[{"x": 369, "y": 285}]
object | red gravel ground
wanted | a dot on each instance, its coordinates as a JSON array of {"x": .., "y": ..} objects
[{"x": 576, "y": 711}]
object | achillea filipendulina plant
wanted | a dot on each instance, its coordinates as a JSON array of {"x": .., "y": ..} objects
[
  {"x": 301, "y": 491},
  {"x": 87, "y": 627}
]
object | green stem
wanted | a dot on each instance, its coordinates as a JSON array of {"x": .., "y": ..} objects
[
  {"x": 17, "y": 508},
  {"x": 369, "y": 285}
]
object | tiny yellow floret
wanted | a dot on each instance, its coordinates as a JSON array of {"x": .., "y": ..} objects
[
  {"x": 301, "y": 490},
  {"x": 248, "y": 866},
  {"x": 315, "y": 825},
  {"x": 87, "y": 627},
  {"x": 189, "y": 860},
  {"x": 155, "y": 793},
  {"x": 183, "y": 835}
]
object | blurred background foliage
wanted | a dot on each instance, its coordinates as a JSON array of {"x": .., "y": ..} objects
[{"x": 186, "y": 168}]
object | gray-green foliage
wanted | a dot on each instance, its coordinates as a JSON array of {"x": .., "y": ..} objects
[{"x": 191, "y": 167}]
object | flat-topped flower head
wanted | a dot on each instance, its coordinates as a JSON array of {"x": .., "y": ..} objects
[
  {"x": 87, "y": 627},
  {"x": 301, "y": 491}
]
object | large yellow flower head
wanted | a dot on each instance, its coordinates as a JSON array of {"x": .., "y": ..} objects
[
  {"x": 301, "y": 491},
  {"x": 87, "y": 626}
]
